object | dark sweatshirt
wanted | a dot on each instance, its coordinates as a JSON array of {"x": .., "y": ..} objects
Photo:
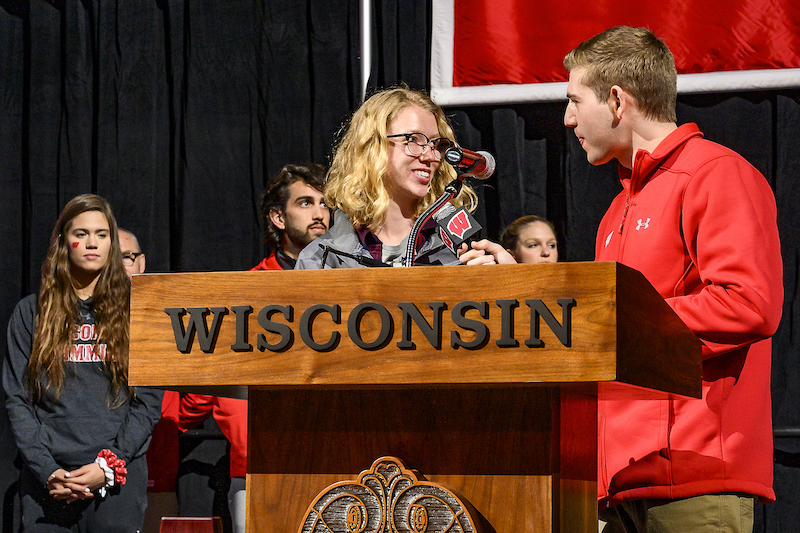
[{"x": 69, "y": 432}]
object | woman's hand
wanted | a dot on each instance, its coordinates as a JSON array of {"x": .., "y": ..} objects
[
  {"x": 57, "y": 486},
  {"x": 484, "y": 252},
  {"x": 86, "y": 479},
  {"x": 78, "y": 484}
]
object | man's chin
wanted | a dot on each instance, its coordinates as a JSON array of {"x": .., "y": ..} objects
[{"x": 311, "y": 235}]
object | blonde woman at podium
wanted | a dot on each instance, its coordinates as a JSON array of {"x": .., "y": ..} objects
[
  {"x": 386, "y": 170},
  {"x": 81, "y": 430}
]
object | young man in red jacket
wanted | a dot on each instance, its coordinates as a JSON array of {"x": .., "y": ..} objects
[
  {"x": 293, "y": 214},
  {"x": 701, "y": 224},
  {"x": 690, "y": 217}
]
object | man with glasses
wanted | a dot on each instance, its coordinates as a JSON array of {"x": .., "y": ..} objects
[
  {"x": 386, "y": 171},
  {"x": 132, "y": 256},
  {"x": 162, "y": 455}
]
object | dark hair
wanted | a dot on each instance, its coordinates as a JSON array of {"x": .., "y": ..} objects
[
  {"x": 510, "y": 236},
  {"x": 276, "y": 195}
]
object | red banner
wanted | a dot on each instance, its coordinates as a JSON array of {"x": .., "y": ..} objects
[{"x": 521, "y": 42}]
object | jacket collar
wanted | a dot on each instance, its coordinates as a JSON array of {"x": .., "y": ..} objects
[
  {"x": 646, "y": 164},
  {"x": 372, "y": 243}
]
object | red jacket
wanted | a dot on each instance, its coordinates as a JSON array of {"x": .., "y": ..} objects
[
  {"x": 700, "y": 223},
  {"x": 268, "y": 263},
  {"x": 229, "y": 413},
  {"x": 231, "y": 417},
  {"x": 162, "y": 455}
]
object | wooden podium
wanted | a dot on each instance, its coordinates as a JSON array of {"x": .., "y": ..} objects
[{"x": 483, "y": 380}]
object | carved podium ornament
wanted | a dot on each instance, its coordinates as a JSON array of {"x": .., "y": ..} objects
[{"x": 388, "y": 498}]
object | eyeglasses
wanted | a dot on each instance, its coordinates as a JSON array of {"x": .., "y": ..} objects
[
  {"x": 129, "y": 258},
  {"x": 418, "y": 144}
]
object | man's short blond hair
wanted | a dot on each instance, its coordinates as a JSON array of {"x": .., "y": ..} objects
[{"x": 636, "y": 60}]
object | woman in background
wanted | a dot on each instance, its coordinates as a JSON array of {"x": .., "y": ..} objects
[
  {"x": 81, "y": 430},
  {"x": 531, "y": 239}
]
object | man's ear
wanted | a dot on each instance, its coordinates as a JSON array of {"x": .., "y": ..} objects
[
  {"x": 142, "y": 264},
  {"x": 276, "y": 216},
  {"x": 619, "y": 101}
]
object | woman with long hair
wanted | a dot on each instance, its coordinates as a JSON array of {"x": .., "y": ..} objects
[
  {"x": 81, "y": 430},
  {"x": 387, "y": 169}
]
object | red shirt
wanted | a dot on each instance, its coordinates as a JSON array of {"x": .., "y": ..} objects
[
  {"x": 229, "y": 413},
  {"x": 162, "y": 455}
]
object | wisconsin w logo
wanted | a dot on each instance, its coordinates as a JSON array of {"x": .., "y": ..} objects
[{"x": 459, "y": 224}]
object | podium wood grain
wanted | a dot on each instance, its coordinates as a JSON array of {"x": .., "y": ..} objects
[
  {"x": 512, "y": 430},
  {"x": 622, "y": 330},
  {"x": 517, "y": 455}
]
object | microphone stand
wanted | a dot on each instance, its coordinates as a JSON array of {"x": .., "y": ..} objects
[{"x": 450, "y": 191}]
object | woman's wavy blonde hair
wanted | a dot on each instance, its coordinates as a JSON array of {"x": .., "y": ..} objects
[
  {"x": 355, "y": 182},
  {"x": 58, "y": 308}
]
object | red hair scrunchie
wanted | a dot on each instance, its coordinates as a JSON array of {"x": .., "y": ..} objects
[{"x": 116, "y": 464}]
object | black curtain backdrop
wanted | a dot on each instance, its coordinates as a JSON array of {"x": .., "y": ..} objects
[{"x": 178, "y": 111}]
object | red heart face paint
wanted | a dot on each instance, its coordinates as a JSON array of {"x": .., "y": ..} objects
[{"x": 90, "y": 242}]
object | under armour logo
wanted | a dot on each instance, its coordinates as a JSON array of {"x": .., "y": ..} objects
[{"x": 640, "y": 224}]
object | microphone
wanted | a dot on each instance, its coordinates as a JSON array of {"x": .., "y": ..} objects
[
  {"x": 478, "y": 165},
  {"x": 456, "y": 225}
]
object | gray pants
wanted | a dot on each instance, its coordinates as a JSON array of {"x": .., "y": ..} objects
[{"x": 237, "y": 500}]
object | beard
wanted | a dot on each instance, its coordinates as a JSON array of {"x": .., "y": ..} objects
[{"x": 300, "y": 237}]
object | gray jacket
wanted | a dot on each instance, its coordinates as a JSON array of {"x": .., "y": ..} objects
[{"x": 344, "y": 238}]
